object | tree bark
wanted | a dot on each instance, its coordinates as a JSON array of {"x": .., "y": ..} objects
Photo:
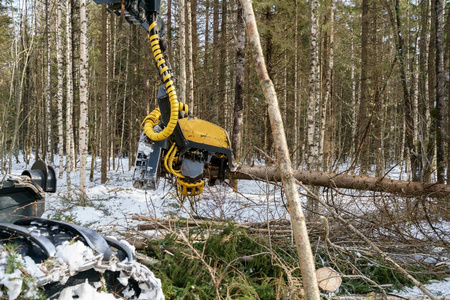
[
  {"x": 222, "y": 84},
  {"x": 205, "y": 61},
  {"x": 48, "y": 155},
  {"x": 447, "y": 63},
  {"x": 283, "y": 160},
  {"x": 325, "y": 146},
  {"x": 104, "y": 116},
  {"x": 215, "y": 48},
  {"x": 59, "y": 95},
  {"x": 190, "y": 64},
  {"x": 440, "y": 89},
  {"x": 312, "y": 147},
  {"x": 69, "y": 100},
  {"x": 239, "y": 89},
  {"x": 363, "y": 124},
  {"x": 83, "y": 99},
  {"x": 169, "y": 29},
  {"x": 345, "y": 181},
  {"x": 409, "y": 108},
  {"x": 182, "y": 45},
  {"x": 296, "y": 138},
  {"x": 312, "y": 144}
]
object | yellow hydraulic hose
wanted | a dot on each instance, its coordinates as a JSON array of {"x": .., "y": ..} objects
[
  {"x": 175, "y": 106},
  {"x": 169, "y": 160}
]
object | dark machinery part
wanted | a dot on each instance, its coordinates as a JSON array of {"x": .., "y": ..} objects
[
  {"x": 147, "y": 169},
  {"x": 23, "y": 196},
  {"x": 55, "y": 228},
  {"x": 42, "y": 175},
  {"x": 135, "y": 11},
  {"x": 175, "y": 145},
  {"x": 114, "y": 265}
]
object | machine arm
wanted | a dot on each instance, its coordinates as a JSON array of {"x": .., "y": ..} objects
[{"x": 186, "y": 148}]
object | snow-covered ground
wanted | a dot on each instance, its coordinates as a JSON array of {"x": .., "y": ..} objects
[{"x": 111, "y": 206}]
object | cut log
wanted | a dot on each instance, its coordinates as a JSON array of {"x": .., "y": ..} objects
[{"x": 356, "y": 182}]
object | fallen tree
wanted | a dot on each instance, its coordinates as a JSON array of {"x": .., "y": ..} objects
[{"x": 345, "y": 181}]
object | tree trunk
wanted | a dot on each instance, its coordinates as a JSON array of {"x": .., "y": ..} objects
[
  {"x": 296, "y": 138},
  {"x": 70, "y": 156},
  {"x": 363, "y": 124},
  {"x": 325, "y": 144},
  {"x": 169, "y": 29},
  {"x": 222, "y": 85},
  {"x": 354, "y": 103},
  {"x": 190, "y": 64},
  {"x": 344, "y": 181},
  {"x": 430, "y": 142},
  {"x": 312, "y": 148},
  {"x": 48, "y": 155},
  {"x": 205, "y": 61},
  {"x": 83, "y": 100},
  {"x": 215, "y": 45},
  {"x": 440, "y": 90},
  {"x": 182, "y": 54},
  {"x": 104, "y": 116},
  {"x": 236, "y": 137},
  {"x": 447, "y": 63},
  {"x": 312, "y": 143},
  {"x": 59, "y": 95},
  {"x": 283, "y": 160}
]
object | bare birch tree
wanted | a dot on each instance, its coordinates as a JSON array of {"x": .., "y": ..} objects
[
  {"x": 182, "y": 53},
  {"x": 83, "y": 99},
  {"x": 70, "y": 149},
  {"x": 313, "y": 101},
  {"x": 48, "y": 98},
  {"x": 283, "y": 160},
  {"x": 59, "y": 93},
  {"x": 190, "y": 64}
]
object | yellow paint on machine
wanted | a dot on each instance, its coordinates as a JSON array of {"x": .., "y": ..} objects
[{"x": 204, "y": 132}]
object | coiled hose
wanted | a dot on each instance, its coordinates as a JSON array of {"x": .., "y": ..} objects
[{"x": 153, "y": 118}]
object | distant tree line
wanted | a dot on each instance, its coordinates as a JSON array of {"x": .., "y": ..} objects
[{"x": 362, "y": 84}]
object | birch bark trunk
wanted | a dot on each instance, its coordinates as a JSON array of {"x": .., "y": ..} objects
[
  {"x": 182, "y": 45},
  {"x": 190, "y": 84},
  {"x": 48, "y": 98},
  {"x": 83, "y": 99},
  {"x": 69, "y": 100},
  {"x": 312, "y": 143},
  {"x": 59, "y": 94},
  {"x": 283, "y": 159}
]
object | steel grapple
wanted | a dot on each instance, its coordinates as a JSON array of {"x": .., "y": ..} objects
[
  {"x": 64, "y": 260},
  {"x": 47, "y": 259}
]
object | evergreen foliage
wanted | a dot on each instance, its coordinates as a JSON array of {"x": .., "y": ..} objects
[{"x": 248, "y": 267}]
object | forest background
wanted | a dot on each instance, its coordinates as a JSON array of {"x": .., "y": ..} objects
[{"x": 360, "y": 83}]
